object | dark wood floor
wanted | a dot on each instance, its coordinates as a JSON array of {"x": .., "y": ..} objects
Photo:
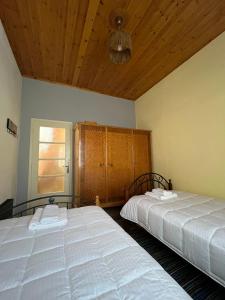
[{"x": 195, "y": 283}]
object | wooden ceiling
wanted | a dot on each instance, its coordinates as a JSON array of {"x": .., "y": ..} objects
[{"x": 66, "y": 41}]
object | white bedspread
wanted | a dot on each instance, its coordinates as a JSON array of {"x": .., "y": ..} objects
[
  {"x": 192, "y": 225},
  {"x": 90, "y": 258}
]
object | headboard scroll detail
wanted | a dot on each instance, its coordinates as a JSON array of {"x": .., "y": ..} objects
[{"x": 147, "y": 182}]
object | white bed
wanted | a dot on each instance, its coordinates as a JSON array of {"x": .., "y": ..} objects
[
  {"x": 192, "y": 225},
  {"x": 90, "y": 258}
]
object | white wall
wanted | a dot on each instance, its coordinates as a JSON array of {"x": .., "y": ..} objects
[
  {"x": 10, "y": 101},
  {"x": 44, "y": 100},
  {"x": 186, "y": 113}
]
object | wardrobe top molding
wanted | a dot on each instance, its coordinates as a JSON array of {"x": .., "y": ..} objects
[{"x": 107, "y": 126}]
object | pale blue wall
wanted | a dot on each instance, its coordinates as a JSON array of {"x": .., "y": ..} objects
[{"x": 57, "y": 102}]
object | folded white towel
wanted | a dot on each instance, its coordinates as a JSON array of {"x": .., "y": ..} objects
[
  {"x": 174, "y": 195},
  {"x": 167, "y": 193},
  {"x": 162, "y": 192},
  {"x": 157, "y": 190},
  {"x": 161, "y": 196},
  {"x": 50, "y": 214},
  {"x": 35, "y": 219},
  {"x": 35, "y": 223}
]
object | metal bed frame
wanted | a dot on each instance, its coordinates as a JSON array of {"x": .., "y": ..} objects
[
  {"x": 143, "y": 183},
  {"x": 10, "y": 211},
  {"x": 147, "y": 182}
]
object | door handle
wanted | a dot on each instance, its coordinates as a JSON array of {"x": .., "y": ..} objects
[
  {"x": 101, "y": 165},
  {"x": 67, "y": 169},
  {"x": 110, "y": 165}
]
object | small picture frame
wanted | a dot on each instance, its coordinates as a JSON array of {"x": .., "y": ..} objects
[{"x": 11, "y": 127}]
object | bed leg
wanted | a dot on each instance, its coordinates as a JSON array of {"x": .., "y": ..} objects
[{"x": 97, "y": 201}]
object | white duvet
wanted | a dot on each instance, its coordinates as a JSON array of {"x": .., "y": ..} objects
[
  {"x": 90, "y": 258},
  {"x": 192, "y": 225}
]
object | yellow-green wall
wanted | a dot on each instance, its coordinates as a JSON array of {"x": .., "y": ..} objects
[{"x": 186, "y": 113}]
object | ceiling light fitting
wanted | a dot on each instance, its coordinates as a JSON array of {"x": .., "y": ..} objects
[{"x": 119, "y": 43}]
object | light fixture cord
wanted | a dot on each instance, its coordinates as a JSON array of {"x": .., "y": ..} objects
[{"x": 119, "y": 22}]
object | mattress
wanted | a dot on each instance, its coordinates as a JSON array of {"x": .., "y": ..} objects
[
  {"x": 191, "y": 224},
  {"x": 90, "y": 258}
]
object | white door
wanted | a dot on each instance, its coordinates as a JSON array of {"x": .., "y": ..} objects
[{"x": 50, "y": 166}]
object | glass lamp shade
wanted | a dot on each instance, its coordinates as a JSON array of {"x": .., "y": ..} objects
[{"x": 120, "y": 47}]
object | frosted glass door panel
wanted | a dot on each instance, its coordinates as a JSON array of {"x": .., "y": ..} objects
[
  {"x": 51, "y": 150},
  {"x": 51, "y": 158},
  {"x": 52, "y": 135},
  {"x": 51, "y": 167},
  {"x": 50, "y": 184}
]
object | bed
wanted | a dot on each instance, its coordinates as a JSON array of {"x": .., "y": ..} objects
[
  {"x": 192, "y": 225},
  {"x": 92, "y": 257}
]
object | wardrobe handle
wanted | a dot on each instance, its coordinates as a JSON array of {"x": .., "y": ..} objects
[
  {"x": 110, "y": 165},
  {"x": 101, "y": 165}
]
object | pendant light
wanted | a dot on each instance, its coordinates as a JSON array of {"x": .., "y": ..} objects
[{"x": 119, "y": 44}]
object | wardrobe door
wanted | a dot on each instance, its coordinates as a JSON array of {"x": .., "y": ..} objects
[
  {"x": 142, "y": 155},
  {"x": 92, "y": 164},
  {"x": 120, "y": 171}
]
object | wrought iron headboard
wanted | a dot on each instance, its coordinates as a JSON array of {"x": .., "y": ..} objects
[
  {"x": 22, "y": 209},
  {"x": 47, "y": 200},
  {"x": 146, "y": 182},
  {"x": 6, "y": 209}
]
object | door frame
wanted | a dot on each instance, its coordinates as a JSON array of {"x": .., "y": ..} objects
[{"x": 32, "y": 123}]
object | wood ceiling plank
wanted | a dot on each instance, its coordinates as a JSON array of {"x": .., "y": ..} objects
[
  {"x": 45, "y": 16},
  {"x": 55, "y": 37},
  {"x": 72, "y": 13},
  {"x": 60, "y": 33},
  {"x": 136, "y": 11},
  {"x": 77, "y": 36},
  {"x": 90, "y": 18},
  {"x": 155, "y": 30},
  {"x": 66, "y": 41},
  {"x": 105, "y": 67},
  {"x": 35, "y": 39},
  {"x": 169, "y": 52},
  {"x": 95, "y": 60},
  {"x": 15, "y": 30},
  {"x": 169, "y": 62},
  {"x": 163, "y": 41},
  {"x": 121, "y": 72},
  {"x": 31, "y": 28},
  {"x": 12, "y": 42}
]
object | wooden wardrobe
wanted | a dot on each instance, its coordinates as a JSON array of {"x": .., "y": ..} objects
[{"x": 107, "y": 160}]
